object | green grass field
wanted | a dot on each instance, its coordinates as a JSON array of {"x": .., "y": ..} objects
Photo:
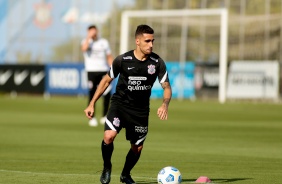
[{"x": 49, "y": 141}]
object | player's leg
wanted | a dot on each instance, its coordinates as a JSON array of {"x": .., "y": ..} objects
[
  {"x": 107, "y": 148},
  {"x": 136, "y": 133},
  {"x": 112, "y": 128},
  {"x": 106, "y": 103},
  {"x": 91, "y": 90},
  {"x": 132, "y": 158},
  {"x": 97, "y": 77}
]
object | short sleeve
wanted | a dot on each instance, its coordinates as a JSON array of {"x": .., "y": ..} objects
[
  {"x": 107, "y": 48},
  {"x": 115, "y": 68},
  {"x": 163, "y": 75}
]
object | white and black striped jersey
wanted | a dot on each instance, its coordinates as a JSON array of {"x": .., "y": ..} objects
[{"x": 136, "y": 78}]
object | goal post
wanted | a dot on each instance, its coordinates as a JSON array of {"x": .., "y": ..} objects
[{"x": 222, "y": 12}]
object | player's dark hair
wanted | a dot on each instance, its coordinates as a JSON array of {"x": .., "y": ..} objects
[
  {"x": 92, "y": 27},
  {"x": 143, "y": 29}
]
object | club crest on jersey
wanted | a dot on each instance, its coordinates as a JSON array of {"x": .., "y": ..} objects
[
  {"x": 116, "y": 122},
  {"x": 151, "y": 69}
]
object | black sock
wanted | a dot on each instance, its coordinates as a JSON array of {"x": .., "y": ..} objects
[
  {"x": 131, "y": 159},
  {"x": 107, "y": 150}
]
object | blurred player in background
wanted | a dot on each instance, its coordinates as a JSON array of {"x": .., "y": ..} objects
[
  {"x": 137, "y": 70},
  {"x": 97, "y": 59}
]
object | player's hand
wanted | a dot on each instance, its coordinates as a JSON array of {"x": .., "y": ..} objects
[
  {"x": 162, "y": 112},
  {"x": 90, "y": 34},
  {"x": 89, "y": 112}
]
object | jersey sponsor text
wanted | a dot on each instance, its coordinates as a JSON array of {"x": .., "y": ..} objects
[
  {"x": 128, "y": 57},
  {"x": 137, "y": 78}
]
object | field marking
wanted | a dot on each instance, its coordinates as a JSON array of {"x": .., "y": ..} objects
[
  {"x": 118, "y": 161},
  {"x": 39, "y": 173},
  {"x": 95, "y": 174},
  {"x": 65, "y": 174}
]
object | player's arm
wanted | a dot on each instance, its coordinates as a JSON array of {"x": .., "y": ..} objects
[
  {"x": 105, "y": 82},
  {"x": 109, "y": 53},
  {"x": 85, "y": 44},
  {"x": 163, "y": 109},
  {"x": 110, "y": 59}
]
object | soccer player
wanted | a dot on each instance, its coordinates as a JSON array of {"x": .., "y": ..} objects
[
  {"x": 137, "y": 70},
  {"x": 97, "y": 61}
]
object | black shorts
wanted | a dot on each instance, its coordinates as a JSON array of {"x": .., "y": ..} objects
[
  {"x": 134, "y": 121},
  {"x": 94, "y": 79}
]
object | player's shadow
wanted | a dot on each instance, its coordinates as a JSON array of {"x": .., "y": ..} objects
[
  {"x": 219, "y": 180},
  {"x": 214, "y": 180}
]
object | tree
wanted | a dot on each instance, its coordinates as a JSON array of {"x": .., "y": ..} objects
[{"x": 68, "y": 51}]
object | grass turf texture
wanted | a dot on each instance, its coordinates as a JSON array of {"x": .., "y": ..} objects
[{"x": 49, "y": 141}]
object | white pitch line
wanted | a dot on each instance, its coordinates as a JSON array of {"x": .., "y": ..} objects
[
  {"x": 95, "y": 174},
  {"x": 43, "y": 173}
]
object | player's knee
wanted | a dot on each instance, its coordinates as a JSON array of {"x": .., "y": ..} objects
[
  {"x": 109, "y": 137},
  {"x": 108, "y": 140}
]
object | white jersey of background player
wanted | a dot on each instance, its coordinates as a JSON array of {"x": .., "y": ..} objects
[
  {"x": 96, "y": 55},
  {"x": 97, "y": 61}
]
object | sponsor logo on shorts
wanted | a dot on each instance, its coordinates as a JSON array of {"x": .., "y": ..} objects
[
  {"x": 116, "y": 122},
  {"x": 141, "y": 129}
]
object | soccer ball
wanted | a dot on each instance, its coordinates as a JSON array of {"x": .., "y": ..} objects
[{"x": 169, "y": 175}]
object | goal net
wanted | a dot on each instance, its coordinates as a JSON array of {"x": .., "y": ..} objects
[{"x": 183, "y": 35}]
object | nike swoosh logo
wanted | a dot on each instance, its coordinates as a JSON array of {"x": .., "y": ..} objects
[
  {"x": 35, "y": 78},
  {"x": 5, "y": 76},
  {"x": 19, "y": 77},
  {"x": 130, "y": 68}
]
